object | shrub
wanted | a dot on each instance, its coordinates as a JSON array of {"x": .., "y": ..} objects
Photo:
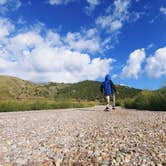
[{"x": 149, "y": 100}]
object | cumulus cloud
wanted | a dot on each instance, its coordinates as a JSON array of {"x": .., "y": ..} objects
[
  {"x": 39, "y": 57},
  {"x": 53, "y": 38},
  {"x": 133, "y": 66},
  {"x": 156, "y": 64},
  {"x": 84, "y": 41}
]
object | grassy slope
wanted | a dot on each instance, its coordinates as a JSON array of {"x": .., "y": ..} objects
[
  {"x": 89, "y": 90},
  {"x": 11, "y": 87},
  {"x": 14, "y": 88}
]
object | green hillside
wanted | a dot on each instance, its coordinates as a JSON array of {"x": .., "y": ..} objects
[
  {"x": 15, "y": 88},
  {"x": 12, "y": 87},
  {"x": 89, "y": 90}
]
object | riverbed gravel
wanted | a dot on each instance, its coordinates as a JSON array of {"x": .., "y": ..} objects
[{"x": 83, "y": 137}]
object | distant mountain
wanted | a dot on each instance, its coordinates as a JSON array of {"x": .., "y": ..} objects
[{"x": 15, "y": 88}]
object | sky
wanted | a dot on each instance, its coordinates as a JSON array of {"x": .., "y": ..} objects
[{"x": 74, "y": 40}]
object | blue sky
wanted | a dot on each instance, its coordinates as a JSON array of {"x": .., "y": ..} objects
[{"x": 76, "y": 40}]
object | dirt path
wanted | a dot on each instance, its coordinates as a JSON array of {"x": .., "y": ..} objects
[{"x": 86, "y": 136}]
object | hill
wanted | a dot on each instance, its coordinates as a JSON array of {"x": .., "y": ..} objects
[
  {"x": 89, "y": 90},
  {"x": 12, "y": 87},
  {"x": 15, "y": 88}
]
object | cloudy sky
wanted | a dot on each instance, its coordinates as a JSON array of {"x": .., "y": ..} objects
[{"x": 76, "y": 40}]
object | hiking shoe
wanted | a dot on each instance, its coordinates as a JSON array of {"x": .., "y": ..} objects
[{"x": 107, "y": 109}]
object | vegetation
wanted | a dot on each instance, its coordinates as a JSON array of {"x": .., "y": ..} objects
[
  {"x": 14, "y": 88},
  {"x": 25, "y": 105},
  {"x": 148, "y": 100},
  {"x": 89, "y": 90},
  {"x": 17, "y": 94}
]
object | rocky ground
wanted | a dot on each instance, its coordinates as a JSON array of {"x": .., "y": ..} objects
[{"x": 83, "y": 137}]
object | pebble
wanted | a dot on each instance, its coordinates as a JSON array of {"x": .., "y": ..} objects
[{"x": 87, "y": 136}]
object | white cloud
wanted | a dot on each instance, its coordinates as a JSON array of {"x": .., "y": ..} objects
[
  {"x": 9, "y": 5},
  {"x": 121, "y": 7},
  {"x": 55, "y": 2},
  {"x": 27, "y": 39},
  {"x": 6, "y": 27},
  {"x": 115, "y": 25},
  {"x": 93, "y": 2},
  {"x": 59, "y": 2},
  {"x": 115, "y": 16},
  {"x": 163, "y": 10},
  {"x": 44, "y": 55},
  {"x": 53, "y": 38},
  {"x": 156, "y": 64},
  {"x": 84, "y": 41},
  {"x": 133, "y": 66},
  {"x": 2, "y": 2},
  {"x": 91, "y": 6},
  {"x": 111, "y": 23},
  {"x": 21, "y": 21},
  {"x": 45, "y": 63},
  {"x": 114, "y": 76}
]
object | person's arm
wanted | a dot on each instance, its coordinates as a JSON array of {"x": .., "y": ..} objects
[{"x": 113, "y": 86}]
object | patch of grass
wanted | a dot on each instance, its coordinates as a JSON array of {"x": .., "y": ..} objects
[
  {"x": 25, "y": 105},
  {"x": 148, "y": 100}
]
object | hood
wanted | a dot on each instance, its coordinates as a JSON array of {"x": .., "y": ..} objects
[{"x": 107, "y": 77}]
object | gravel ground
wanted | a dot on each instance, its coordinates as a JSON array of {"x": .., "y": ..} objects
[{"x": 87, "y": 136}]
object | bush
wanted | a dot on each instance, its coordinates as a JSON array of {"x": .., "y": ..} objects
[{"x": 148, "y": 100}]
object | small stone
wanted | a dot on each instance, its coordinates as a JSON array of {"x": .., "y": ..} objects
[{"x": 105, "y": 163}]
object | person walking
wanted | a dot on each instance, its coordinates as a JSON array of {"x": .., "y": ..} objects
[{"x": 108, "y": 89}]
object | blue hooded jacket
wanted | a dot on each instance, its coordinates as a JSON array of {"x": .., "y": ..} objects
[{"x": 107, "y": 86}]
